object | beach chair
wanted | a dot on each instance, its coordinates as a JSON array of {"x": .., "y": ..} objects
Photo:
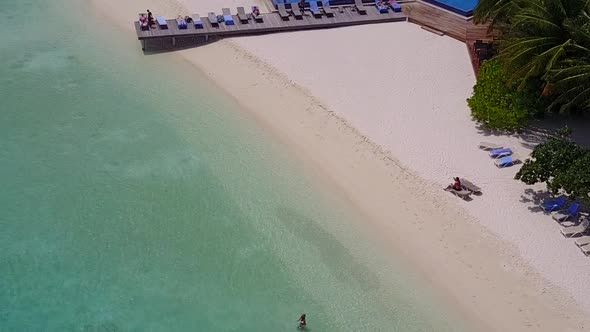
[
  {"x": 327, "y": 9},
  {"x": 296, "y": 11},
  {"x": 571, "y": 212},
  {"x": 283, "y": 11},
  {"x": 256, "y": 15},
  {"x": 463, "y": 193},
  {"x": 197, "y": 21},
  {"x": 181, "y": 23},
  {"x": 314, "y": 9},
  {"x": 382, "y": 8},
  {"x": 227, "y": 16},
  {"x": 395, "y": 6},
  {"x": 470, "y": 186},
  {"x": 585, "y": 249},
  {"x": 360, "y": 7},
  {"x": 213, "y": 19},
  {"x": 489, "y": 146},
  {"x": 162, "y": 22},
  {"x": 499, "y": 153},
  {"x": 576, "y": 230},
  {"x": 242, "y": 15},
  {"x": 507, "y": 161},
  {"x": 553, "y": 204},
  {"x": 583, "y": 241}
]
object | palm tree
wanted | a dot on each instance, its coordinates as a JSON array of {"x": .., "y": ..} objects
[
  {"x": 544, "y": 41},
  {"x": 571, "y": 82},
  {"x": 495, "y": 12},
  {"x": 540, "y": 38}
]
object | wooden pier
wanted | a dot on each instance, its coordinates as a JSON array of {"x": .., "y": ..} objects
[{"x": 160, "y": 39}]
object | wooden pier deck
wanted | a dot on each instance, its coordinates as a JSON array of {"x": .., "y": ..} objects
[{"x": 157, "y": 38}]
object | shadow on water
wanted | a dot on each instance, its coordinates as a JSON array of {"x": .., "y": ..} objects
[
  {"x": 334, "y": 255},
  {"x": 190, "y": 42}
]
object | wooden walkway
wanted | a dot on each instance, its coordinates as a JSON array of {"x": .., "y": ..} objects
[{"x": 343, "y": 16}]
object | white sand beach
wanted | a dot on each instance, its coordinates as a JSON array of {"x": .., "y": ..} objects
[{"x": 386, "y": 125}]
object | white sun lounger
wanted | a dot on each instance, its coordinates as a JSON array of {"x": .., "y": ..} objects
[
  {"x": 576, "y": 230},
  {"x": 490, "y": 146},
  {"x": 470, "y": 186},
  {"x": 463, "y": 193},
  {"x": 585, "y": 249},
  {"x": 582, "y": 241}
]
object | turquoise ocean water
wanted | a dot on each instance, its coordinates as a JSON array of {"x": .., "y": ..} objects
[{"x": 136, "y": 197}]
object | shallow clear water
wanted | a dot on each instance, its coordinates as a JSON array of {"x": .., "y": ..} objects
[{"x": 136, "y": 197}]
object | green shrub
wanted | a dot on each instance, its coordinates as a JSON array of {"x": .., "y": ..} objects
[
  {"x": 561, "y": 164},
  {"x": 497, "y": 105}
]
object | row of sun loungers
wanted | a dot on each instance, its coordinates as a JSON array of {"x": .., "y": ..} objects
[
  {"x": 566, "y": 218},
  {"x": 503, "y": 156},
  {"x": 284, "y": 13},
  {"x": 313, "y": 8},
  {"x": 214, "y": 20}
]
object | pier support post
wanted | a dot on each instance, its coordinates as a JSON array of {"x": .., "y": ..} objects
[{"x": 173, "y": 42}]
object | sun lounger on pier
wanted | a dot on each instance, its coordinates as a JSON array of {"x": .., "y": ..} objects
[
  {"x": 583, "y": 241},
  {"x": 507, "y": 161},
  {"x": 242, "y": 15},
  {"x": 181, "y": 23},
  {"x": 227, "y": 16},
  {"x": 470, "y": 186},
  {"x": 499, "y": 153},
  {"x": 489, "y": 146},
  {"x": 382, "y": 7},
  {"x": 327, "y": 9},
  {"x": 197, "y": 21},
  {"x": 315, "y": 10},
  {"x": 213, "y": 19},
  {"x": 395, "y": 6},
  {"x": 571, "y": 212},
  {"x": 283, "y": 11},
  {"x": 256, "y": 14},
  {"x": 576, "y": 230},
  {"x": 553, "y": 204},
  {"x": 360, "y": 8},
  {"x": 296, "y": 11},
  {"x": 162, "y": 22}
]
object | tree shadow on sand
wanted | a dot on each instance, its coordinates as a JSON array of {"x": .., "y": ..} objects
[
  {"x": 536, "y": 198},
  {"x": 540, "y": 130}
]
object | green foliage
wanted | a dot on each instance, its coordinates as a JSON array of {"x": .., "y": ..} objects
[
  {"x": 561, "y": 164},
  {"x": 496, "y": 11},
  {"x": 576, "y": 179},
  {"x": 547, "y": 41},
  {"x": 496, "y": 105}
]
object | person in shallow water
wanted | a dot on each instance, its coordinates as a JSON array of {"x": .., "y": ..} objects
[{"x": 302, "y": 322}]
